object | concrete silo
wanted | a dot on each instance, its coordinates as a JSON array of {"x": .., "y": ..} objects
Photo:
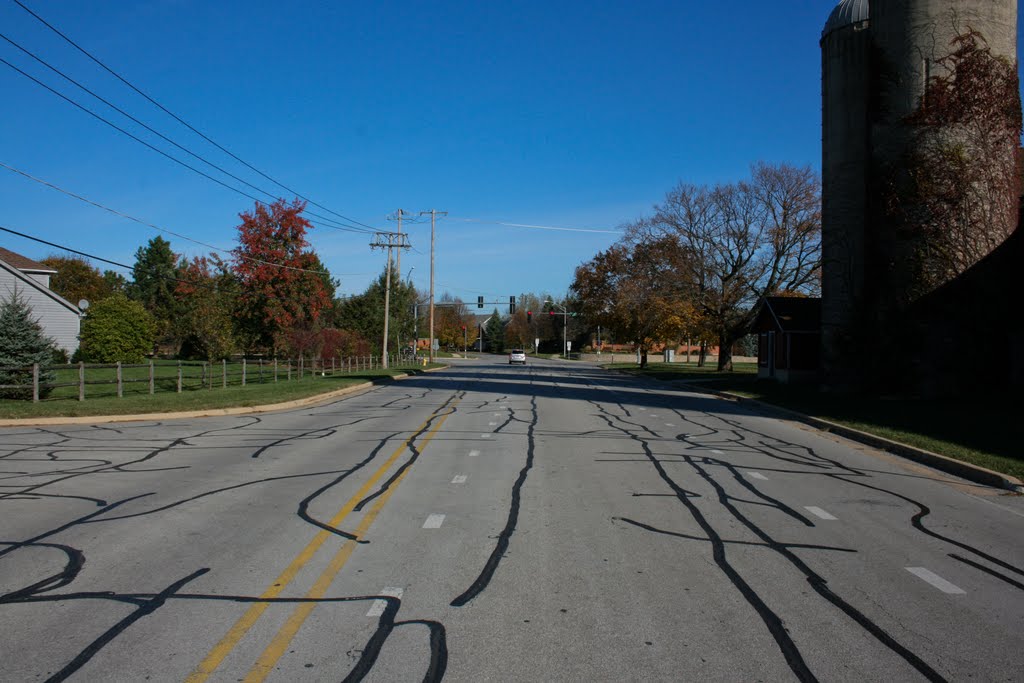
[
  {"x": 884, "y": 247},
  {"x": 845, "y": 69}
]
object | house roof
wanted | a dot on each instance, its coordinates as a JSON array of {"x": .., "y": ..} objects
[
  {"x": 790, "y": 314},
  {"x": 20, "y": 275},
  {"x": 23, "y": 263}
]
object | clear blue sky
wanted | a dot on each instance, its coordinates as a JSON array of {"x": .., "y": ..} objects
[{"x": 566, "y": 114}]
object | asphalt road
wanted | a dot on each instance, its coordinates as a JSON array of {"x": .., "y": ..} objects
[{"x": 552, "y": 522}]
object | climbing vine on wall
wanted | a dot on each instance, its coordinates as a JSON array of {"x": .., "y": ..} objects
[{"x": 958, "y": 196}]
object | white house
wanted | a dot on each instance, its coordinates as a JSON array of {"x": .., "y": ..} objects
[{"x": 59, "y": 318}]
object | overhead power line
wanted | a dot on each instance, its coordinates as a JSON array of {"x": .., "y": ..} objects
[
  {"x": 132, "y": 269},
  {"x": 151, "y": 225},
  {"x": 182, "y": 121},
  {"x": 150, "y": 128},
  {"x": 330, "y": 223}
]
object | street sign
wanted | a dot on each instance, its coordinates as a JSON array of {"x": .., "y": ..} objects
[
  {"x": 536, "y": 343},
  {"x": 568, "y": 345},
  {"x": 435, "y": 345}
]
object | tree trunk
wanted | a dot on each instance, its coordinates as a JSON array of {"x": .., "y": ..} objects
[
  {"x": 702, "y": 357},
  {"x": 643, "y": 357},
  {"x": 725, "y": 343}
]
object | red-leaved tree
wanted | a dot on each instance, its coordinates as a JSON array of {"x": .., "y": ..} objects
[{"x": 284, "y": 286}]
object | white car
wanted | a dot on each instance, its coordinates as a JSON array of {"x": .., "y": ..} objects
[{"x": 516, "y": 356}]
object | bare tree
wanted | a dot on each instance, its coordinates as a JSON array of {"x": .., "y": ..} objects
[{"x": 745, "y": 240}]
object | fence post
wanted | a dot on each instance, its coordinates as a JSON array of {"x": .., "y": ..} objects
[
  {"x": 275, "y": 371},
  {"x": 223, "y": 373},
  {"x": 202, "y": 377},
  {"x": 152, "y": 380},
  {"x": 243, "y": 371},
  {"x": 81, "y": 380},
  {"x": 179, "y": 376},
  {"x": 302, "y": 361},
  {"x": 120, "y": 381},
  {"x": 261, "y": 370},
  {"x": 35, "y": 382}
]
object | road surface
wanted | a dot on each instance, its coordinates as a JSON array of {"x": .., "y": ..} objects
[{"x": 552, "y": 522}]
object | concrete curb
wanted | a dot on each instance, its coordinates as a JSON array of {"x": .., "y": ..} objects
[
  {"x": 964, "y": 470},
  {"x": 206, "y": 412}
]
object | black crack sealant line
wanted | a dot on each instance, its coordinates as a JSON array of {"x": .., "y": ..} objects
[
  {"x": 922, "y": 512},
  {"x": 147, "y": 603},
  {"x": 771, "y": 620},
  {"x": 449, "y": 406},
  {"x": 386, "y": 624},
  {"x": 505, "y": 537},
  {"x": 851, "y": 475},
  {"x": 814, "y": 580},
  {"x": 143, "y": 610},
  {"x": 818, "y": 583}
]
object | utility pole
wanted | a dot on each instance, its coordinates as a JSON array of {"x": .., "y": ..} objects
[
  {"x": 389, "y": 241},
  {"x": 433, "y": 215},
  {"x": 398, "y": 259}
]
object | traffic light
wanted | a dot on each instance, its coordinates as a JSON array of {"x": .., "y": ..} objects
[
  {"x": 529, "y": 317},
  {"x": 479, "y": 302},
  {"x": 551, "y": 312},
  {"x": 511, "y": 305}
]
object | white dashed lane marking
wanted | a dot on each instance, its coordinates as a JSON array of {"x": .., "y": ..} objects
[
  {"x": 434, "y": 522},
  {"x": 460, "y": 479},
  {"x": 936, "y": 580},
  {"x": 485, "y": 436},
  {"x": 378, "y": 606},
  {"x": 492, "y": 424},
  {"x": 818, "y": 512},
  {"x": 718, "y": 452},
  {"x": 473, "y": 454},
  {"x": 758, "y": 475}
]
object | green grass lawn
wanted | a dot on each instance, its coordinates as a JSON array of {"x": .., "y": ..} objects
[
  {"x": 101, "y": 399},
  {"x": 982, "y": 430}
]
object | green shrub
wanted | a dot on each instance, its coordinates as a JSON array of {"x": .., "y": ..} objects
[
  {"x": 22, "y": 343},
  {"x": 117, "y": 329}
]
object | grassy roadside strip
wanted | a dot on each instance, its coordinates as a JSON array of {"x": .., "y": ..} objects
[
  {"x": 199, "y": 399},
  {"x": 983, "y": 430}
]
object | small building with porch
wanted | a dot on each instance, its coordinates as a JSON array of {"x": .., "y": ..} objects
[{"x": 788, "y": 338}]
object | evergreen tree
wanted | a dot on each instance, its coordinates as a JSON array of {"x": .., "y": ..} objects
[
  {"x": 22, "y": 343},
  {"x": 494, "y": 333},
  {"x": 156, "y": 267},
  {"x": 364, "y": 313}
]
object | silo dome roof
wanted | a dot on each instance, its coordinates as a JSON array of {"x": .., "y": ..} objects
[{"x": 846, "y": 13}]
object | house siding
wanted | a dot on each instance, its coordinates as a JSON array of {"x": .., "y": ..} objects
[{"x": 57, "y": 320}]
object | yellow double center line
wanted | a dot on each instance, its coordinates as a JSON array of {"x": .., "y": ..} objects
[{"x": 279, "y": 644}]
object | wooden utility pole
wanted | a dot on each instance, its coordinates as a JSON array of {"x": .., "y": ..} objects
[
  {"x": 433, "y": 215},
  {"x": 398, "y": 257},
  {"x": 389, "y": 241}
]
